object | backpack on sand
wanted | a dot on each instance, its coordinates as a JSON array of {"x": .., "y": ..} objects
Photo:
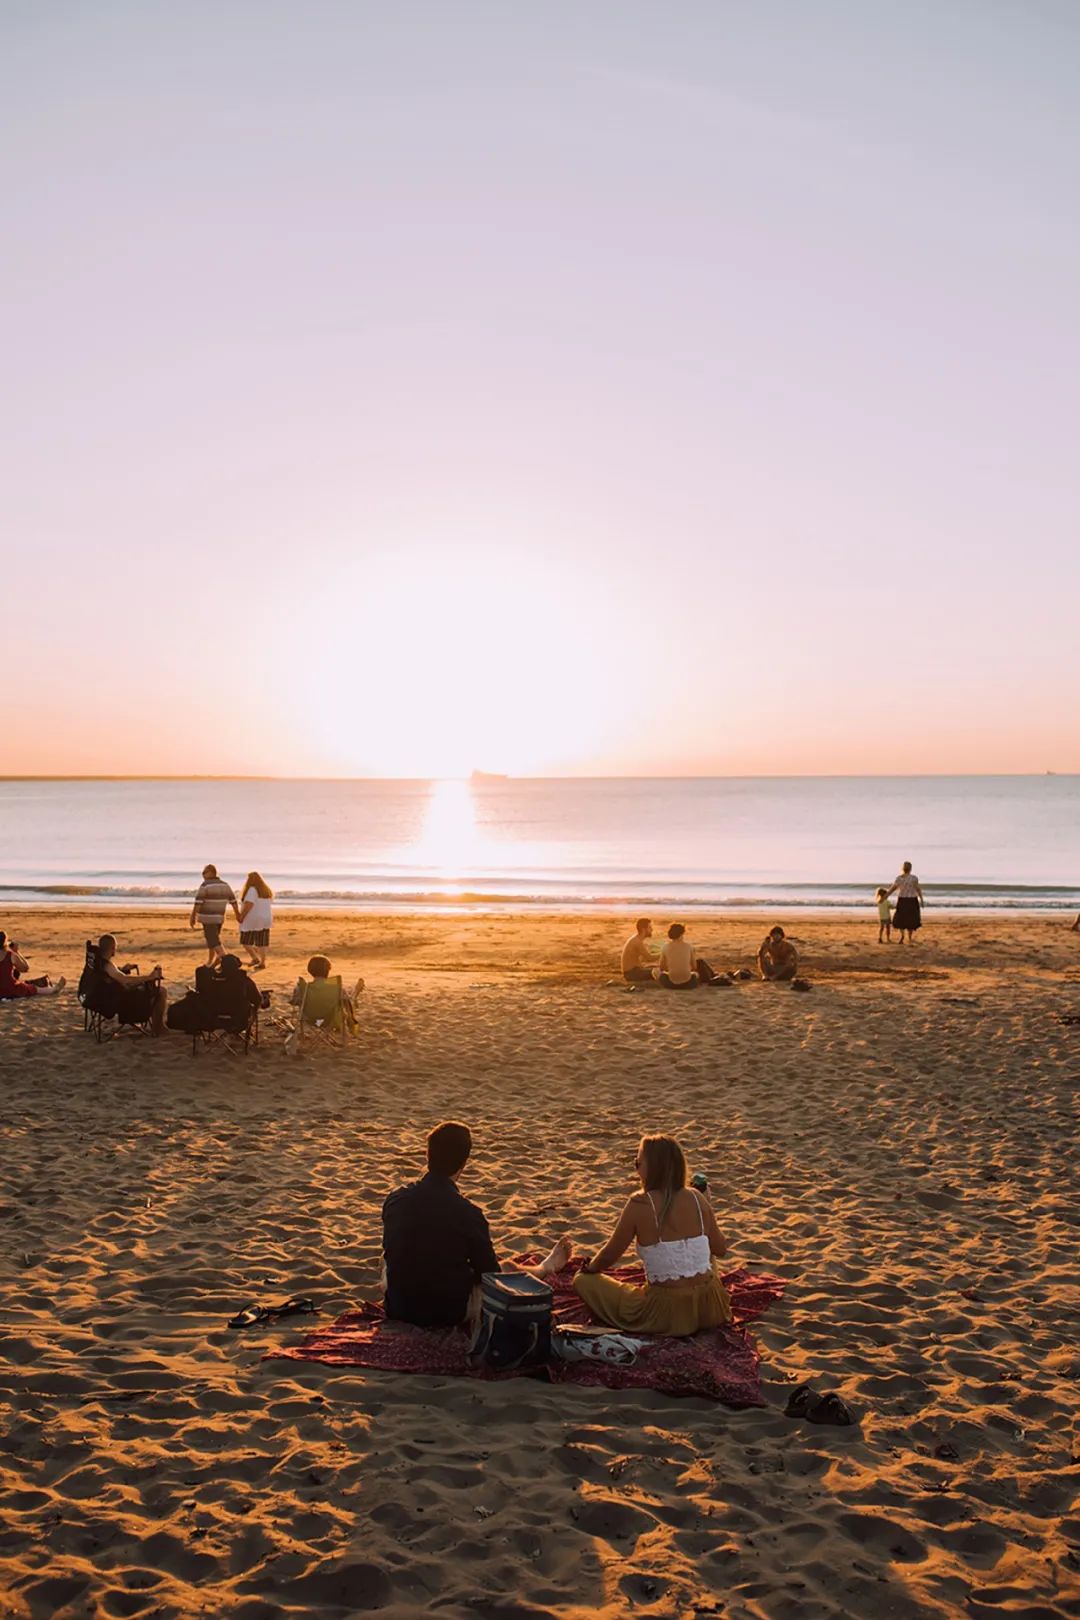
[{"x": 515, "y": 1322}]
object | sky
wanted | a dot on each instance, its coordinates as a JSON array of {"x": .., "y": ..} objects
[{"x": 593, "y": 387}]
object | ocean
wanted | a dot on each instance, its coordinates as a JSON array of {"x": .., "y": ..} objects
[{"x": 976, "y": 842}]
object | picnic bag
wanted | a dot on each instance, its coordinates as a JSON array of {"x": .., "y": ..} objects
[{"x": 515, "y": 1322}]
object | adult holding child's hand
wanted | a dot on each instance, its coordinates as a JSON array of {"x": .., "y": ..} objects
[{"x": 908, "y": 914}]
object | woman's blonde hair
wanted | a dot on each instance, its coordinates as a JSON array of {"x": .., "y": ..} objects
[{"x": 663, "y": 1167}]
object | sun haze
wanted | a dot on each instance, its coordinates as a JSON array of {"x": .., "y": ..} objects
[{"x": 577, "y": 388}]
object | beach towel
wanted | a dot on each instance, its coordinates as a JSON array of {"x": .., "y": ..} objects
[{"x": 720, "y": 1363}]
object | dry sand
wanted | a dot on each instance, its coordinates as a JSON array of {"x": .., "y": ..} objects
[{"x": 900, "y": 1145}]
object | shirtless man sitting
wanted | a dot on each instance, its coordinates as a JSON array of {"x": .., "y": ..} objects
[
  {"x": 777, "y": 958},
  {"x": 638, "y": 962}
]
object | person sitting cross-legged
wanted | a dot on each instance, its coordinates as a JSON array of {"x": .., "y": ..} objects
[
  {"x": 638, "y": 962},
  {"x": 777, "y": 958},
  {"x": 681, "y": 968},
  {"x": 14, "y": 967},
  {"x": 677, "y": 1241},
  {"x": 436, "y": 1243}
]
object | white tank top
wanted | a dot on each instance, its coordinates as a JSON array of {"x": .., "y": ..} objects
[{"x": 668, "y": 1259}]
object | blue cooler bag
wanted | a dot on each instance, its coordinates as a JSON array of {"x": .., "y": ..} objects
[{"x": 515, "y": 1322}]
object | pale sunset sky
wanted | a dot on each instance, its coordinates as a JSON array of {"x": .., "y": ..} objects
[{"x": 591, "y": 386}]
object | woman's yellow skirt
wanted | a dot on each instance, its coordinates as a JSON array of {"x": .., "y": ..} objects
[{"x": 676, "y": 1312}]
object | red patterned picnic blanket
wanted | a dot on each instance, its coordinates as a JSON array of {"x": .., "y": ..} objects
[{"x": 720, "y": 1363}]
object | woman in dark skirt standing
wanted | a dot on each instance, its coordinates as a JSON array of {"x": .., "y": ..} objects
[{"x": 909, "y": 903}]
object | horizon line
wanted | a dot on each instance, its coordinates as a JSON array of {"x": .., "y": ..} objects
[{"x": 487, "y": 778}]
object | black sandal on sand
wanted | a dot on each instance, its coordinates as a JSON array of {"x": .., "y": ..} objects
[
  {"x": 806, "y": 1402},
  {"x": 801, "y": 984},
  {"x": 260, "y": 1315}
]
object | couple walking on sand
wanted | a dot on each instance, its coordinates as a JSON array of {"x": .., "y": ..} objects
[
  {"x": 437, "y": 1247},
  {"x": 253, "y": 913}
]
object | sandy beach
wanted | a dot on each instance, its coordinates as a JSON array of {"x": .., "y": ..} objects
[{"x": 899, "y": 1145}]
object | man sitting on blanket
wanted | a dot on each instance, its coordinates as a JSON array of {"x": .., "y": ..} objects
[{"x": 436, "y": 1243}]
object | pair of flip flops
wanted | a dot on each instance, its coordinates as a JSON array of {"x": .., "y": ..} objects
[
  {"x": 828, "y": 1408},
  {"x": 262, "y": 1315}
]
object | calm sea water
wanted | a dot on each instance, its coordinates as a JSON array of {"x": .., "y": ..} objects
[{"x": 825, "y": 841}]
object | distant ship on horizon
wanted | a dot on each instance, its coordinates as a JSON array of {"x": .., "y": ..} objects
[{"x": 489, "y": 776}]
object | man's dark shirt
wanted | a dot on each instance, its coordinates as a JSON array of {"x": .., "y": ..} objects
[{"x": 437, "y": 1247}]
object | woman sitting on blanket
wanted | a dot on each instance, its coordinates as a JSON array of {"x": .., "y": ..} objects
[{"x": 677, "y": 1241}]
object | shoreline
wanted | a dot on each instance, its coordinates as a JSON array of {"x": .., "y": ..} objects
[{"x": 701, "y": 910}]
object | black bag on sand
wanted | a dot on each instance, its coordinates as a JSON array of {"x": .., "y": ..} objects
[
  {"x": 515, "y": 1322},
  {"x": 187, "y": 1014}
]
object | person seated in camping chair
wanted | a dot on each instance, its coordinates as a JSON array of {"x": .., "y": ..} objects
[
  {"x": 224, "y": 998},
  {"x": 126, "y": 994},
  {"x": 324, "y": 1001}
]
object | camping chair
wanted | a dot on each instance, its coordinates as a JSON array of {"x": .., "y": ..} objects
[
  {"x": 227, "y": 1016},
  {"x": 99, "y": 999},
  {"x": 324, "y": 1015}
]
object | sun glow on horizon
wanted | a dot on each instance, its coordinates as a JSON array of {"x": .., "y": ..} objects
[{"x": 457, "y": 658}]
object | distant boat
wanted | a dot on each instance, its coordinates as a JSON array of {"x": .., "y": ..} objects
[{"x": 489, "y": 776}]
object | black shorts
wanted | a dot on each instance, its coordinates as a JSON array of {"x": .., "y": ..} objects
[
  {"x": 258, "y": 936},
  {"x": 213, "y": 934}
]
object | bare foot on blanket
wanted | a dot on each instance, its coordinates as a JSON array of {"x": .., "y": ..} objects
[{"x": 557, "y": 1259}]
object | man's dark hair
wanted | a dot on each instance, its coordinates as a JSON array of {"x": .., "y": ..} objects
[
  {"x": 209, "y": 873},
  {"x": 642, "y": 922},
  {"x": 776, "y": 933},
  {"x": 319, "y": 967},
  {"x": 676, "y": 931},
  {"x": 448, "y": 1148}
]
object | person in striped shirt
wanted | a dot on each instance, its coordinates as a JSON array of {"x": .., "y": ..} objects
[{"x": 213, "y": 898}]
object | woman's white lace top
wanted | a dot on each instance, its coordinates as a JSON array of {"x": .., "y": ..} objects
[{"x": 668, "y": 1259}]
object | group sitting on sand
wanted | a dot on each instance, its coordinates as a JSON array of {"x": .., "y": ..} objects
[
  {"x": 437, "y": 1247},
  {"x": 681, "y": 967}
]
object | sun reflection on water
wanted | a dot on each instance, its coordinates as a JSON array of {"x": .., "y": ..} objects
[{"x": 450, "y": 841}]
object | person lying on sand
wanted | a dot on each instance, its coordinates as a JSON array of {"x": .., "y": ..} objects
[
  {"x": 12, "y": 966},
  {"x": 638, "y": 962},
  {"x": 681, "y": 968},
  {"x": 137, "y": 996},
  {"x": 777, "y": 958},
  {"x": 436, "y": 1244},
  {"x": 677, "y": 1240}
]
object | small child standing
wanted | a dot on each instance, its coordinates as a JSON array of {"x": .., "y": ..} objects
[{"x": 884, "y": 911}]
